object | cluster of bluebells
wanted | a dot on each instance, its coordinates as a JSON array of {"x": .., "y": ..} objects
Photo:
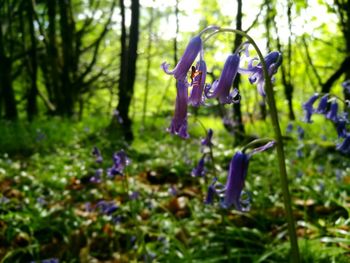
[
  {"x": 328, "y": 107},
  {"x": 107, "y": 208},
  {"x": 220, "y": 89},
  {"x": 120, "y": 161}
]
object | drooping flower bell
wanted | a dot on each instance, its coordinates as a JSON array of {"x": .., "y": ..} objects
[
  {"x": 120, "y": 161},
  {"x": 220, "y": 89},
  {"x": 199, "y": 170},
  {"x": 207, "y": 140},
  {"x": 96, "y": 152},
  {"x": 191, "y": 52},
  {"x": 308, "y": 107},
  {"x": 198, "y": 76},
  {"x": 178, "y": 124},
  {"x": 273, "y": 60},
  {"x": 322, "y": 106},
  {"x": 344, "y": 147},
  {"x": 236, "y": 177},
  {"x": 333, "y": 112}
]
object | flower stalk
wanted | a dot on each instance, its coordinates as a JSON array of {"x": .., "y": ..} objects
[{"x": 279, "y": 143}]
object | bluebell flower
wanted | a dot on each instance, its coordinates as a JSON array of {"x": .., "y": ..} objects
[
  {"x": 220, "y": 89},
  {"x": 346, "y": 85},
  {"x": 178, "y": 124},
  {"x": 322, "y": 106},
  {"x": 120, "y": 161},
  {"x": 210, "y": 194},
  {"x": 207, "y": 140},
  {"x": 273, "y": 60},
  {"x": 172, "y": 190},
  {"x": 198, "y": 77},
  {"x": 236, "y": 177},
  {"x": 134, "y": 195},
  {"x": 107, "y": 207},
  {"x": 341, "y": 127},
  {"x": 289, "y": 128},
  {"x": 333, "y": 112},
  {"x": 191, "y": 52},
  {"x": 235, "y": 180},
  {"x": 96, "y": 152},
  {"x": 308, "y": 107},
  {"x": 199, "y": 170},
  {"x": 301, "y": 133},
  {"x": 344, "y": 147},
  {"x": 97, "y": 176}
]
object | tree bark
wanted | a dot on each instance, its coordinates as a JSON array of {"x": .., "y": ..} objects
[
  {"x": 238, "y": 127},
  {"x": 32, "y": 109},
  {"x": 128, "y": 67}
]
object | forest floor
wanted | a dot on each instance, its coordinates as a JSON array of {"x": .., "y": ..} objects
[{"x": 51, "y": 209}]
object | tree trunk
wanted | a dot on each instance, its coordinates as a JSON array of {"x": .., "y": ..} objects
[
  {"x": 238, "y": 128},
  {"x": 6, "y": 89},
  {"x": 126, "y": 88},
  {"x": 32, "y": 109}
]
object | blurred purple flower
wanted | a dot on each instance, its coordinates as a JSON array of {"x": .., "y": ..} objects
[
  {"x": 273, "y": 60},
  {"x": 207, "y": 140},
  {"x": 199, "y": 170},
  {"x": 107, "y": 207},
  {"x": 96, "y": 152},
  {"x": 308, "y": 107},
  {"x": 341, "y": 127},
  {"x": 301, "y": 133},
  {"x": 198, "y": 77},
  {"x": 210, "y": 194},
  {"x": 344, "y": 147},
  {"x": 322, "y": 106},
  {"x": 333, "y": 112},
  {"x": 172, "y": 190},
  {"x": 220, "y": 89},
  {"x": 97, "y": 177},
  {"x": 289, "y": 128},
  {"x": 178, "y": 124},
  {"x": 120, "y": 160},
  {"x": 346, "y": 85},
  {"x": 134, "y": 195}
]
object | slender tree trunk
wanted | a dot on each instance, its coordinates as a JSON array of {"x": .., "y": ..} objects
[
  {"x": 238, "y": 128},
  {"x": 148, "y": 66},
  {"x": 67, "y": 34},
  {"x": 51, "y": 67},
  {"x": 7, "y": 92},
  {"x": 32, "y": 109},
  {"x": 126, "y": 88}
]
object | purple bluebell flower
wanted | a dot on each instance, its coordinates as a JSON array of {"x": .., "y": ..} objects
[
  {"x": 273, "y": 60},
  {"x": 178, "y": 124},
  {"x": 96, "y": 152},
  {"x": 50, "y": 260},
  {"x": 194, "y": 47},
  {"x": 210, "y": 194},
  {"x": 207, "y": 140},
  {"x": 199, "y": 170},
  {"x": 172, "y": 190},
  {"x": 107, "y": 207},
  {"x": 221, "y": 88},
  {"x": 198, "y": 77},
  {"x": 289, "y": 128},
  {"x": 346, "y": 85},
  {"x": 191, "y": 52},
  {"x": 134, "y": 195},
  {"x": 299, "y": 153},
  {"x": 120, "y": 160},
  {"x": 308, "y": 107},
  {"x": 235, "y": 180},
  {"x": 333, "y": 112},
  {"x": 344, "y": 147},
  {"x": 341, "y": 127},
  {"x": 301, "y": 133},
  {"x": 97, "y": 176},
  {"x": 322, "y": 106}
]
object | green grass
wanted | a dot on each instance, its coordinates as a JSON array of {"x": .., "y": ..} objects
[{"x": 158, "y": 227}]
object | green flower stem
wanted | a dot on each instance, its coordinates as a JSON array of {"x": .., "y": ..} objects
[{"x": 279, "y": 144}]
